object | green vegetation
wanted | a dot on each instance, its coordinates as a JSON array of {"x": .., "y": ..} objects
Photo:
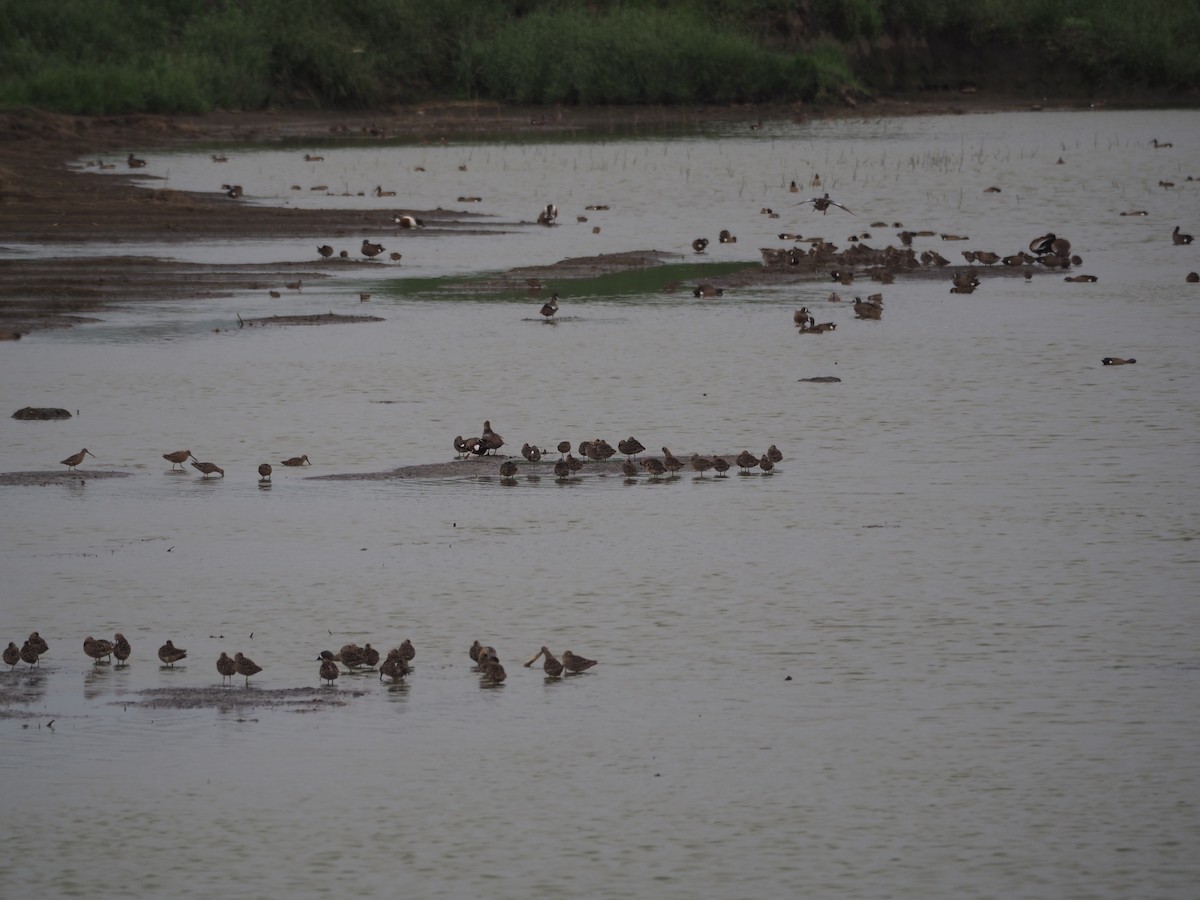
[{"x": 120, "y": 56}]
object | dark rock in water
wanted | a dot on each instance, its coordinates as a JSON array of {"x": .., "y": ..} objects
[
  {"x": 41, "y": 412},
  {"x": 822, "y": 379}
]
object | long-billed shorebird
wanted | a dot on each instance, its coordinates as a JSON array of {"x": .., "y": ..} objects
[
  {"x": 631, "y": 446},
  {"x": 550, "y": 665},
  {"x": 227, "y": 667},
  {"x": 121, "y": 648},
  {"x": 576, "y": 664},
  {"x": 178, "y": 458},
  {"x": 296, "y": 461},
  {"x": 246, "y": 666},
  {"x": 207, "y": 468},
  {"x": 170, "y": 654},
  {"x": 97, "y": 649},
  {"x": 395, "y": 666},
  {"x": 264, "y": 472},
  {"x": 407, "y": 651},
  {"x": 38, "y": 643},
  {"x": 329, "y": 670},
  {"x": 700, "y": 463},
  {"x": 12, "y": 655},
  {"x": 76, "y": 458},
  {"x": 29, "y": 654}
]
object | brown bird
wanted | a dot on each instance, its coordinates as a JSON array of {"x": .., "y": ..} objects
[
  {"x": 773, "y": 454},
  {"x": 564, "y": 447},
  {"x": 246, "y": 666},
  {"x": 264, "y": 472},
  {"x": 295, "y": 461},
  {"x": 370, "y": 250},
  {"x": 38, "y": 644},
  {"x": 325, "y": 250},
  {"x": 395, "y": 666},
  {"x": 491, "y": 670},
  {"x": 462, "y": 447},
  {"x": 533, "y": 454},
  {"x": 370, "y": 656},
  {"x": 178, "y": 458},
  {"x": 551, "y": 666},
  {"x": 12, "y": 655},
  {"x": 576, "y": 664},
  {"x": 207, "y": 468},
  {"x": 561, "y": 469},
  {"x": 746, "y": 461},
  {"x": 549, "y": 309},
  {"x": 170, "y": 654},
  {"x": 121, "y": 648},
  {"x": 134, "y": 162},
  {"x": 699, "y": 244},
  {"x": 721, "y": 465},
  {"x": 407, "y": 651},
  {"x": 822, "y": 204},
  {"x": 631, "y": 446},
  {"x": 29, "y": 654},
  {"x": 227, "y": 667},
  {"x": 629, "y": 468},
  {"x": 654, "y": 467},
  {"x": 700, "y": 463},
  {"x": 329, "y": 670},
  {"x": 491, "y": 440},
  {"x": 670, "y": 463},
  {"x": 1180, "y": 239},
  {"x": 75, "y": 459},
  {"x": 97, "y": 649},
  {"x": 574, "y": 464},
  {"x": 766, "y": 465},
  {"x": 351, "y": 656}
]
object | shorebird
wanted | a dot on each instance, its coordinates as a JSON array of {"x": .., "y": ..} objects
[
  {"x": 773, "y": 454},
  {"x": 406, "y": 221},
  {"x": 721, "y": 465},
  {"x": 631, "y": 446},
  {"x": 629, "y": 469},
  {"x": 766, "y": 465},
  {"x": 564, "y": 447},
  {"x": 329, "y": 670},
  {"x": 246, "y": 666},
  {"x": 264, "y": 472},
  {"x": 170, "y": 654},
  {"x": 29, "y": 654},
  {"x": 295, "y": 461},
  {"x": 699, "y": 244},
  {"x": 746, "y": 461},
  {"x": 573, "y": 464},
  {"x": 370, "y": 656},
  {"x": 561, "y": 469},
  {"x": 370, "y": 250},
  {"x": 1117, "y": 361},
  {"x": 489, "y": 439},
  {"x": 670, "y": 463},
  {"x": 822, "y": 204},
  {"x": 40, "y": 647},
  {"x": 407, "y": 651},
  {"x": 548, "y": 215},
  {"x": 97, "y": 649},
  {"x": 178, "y": 458},
  {"x": 121, "y": 648},
  {"x": 508, "y": 469},
  {"x": 325, "y": 250},
  {"x": 1179, "y": 239},
  {"x": 395, "y": 666},
  {"x": 576, "y": 664},
  {"x": 351, "y": 656},
  {"x": 227, "y": 667},
  {"x": 551, "y": 666},
  {"x": 654, "y": 467},
  {"x": 491, "y": 670},
  {"x": 394, "y": 256},
  {"x": 701, "y": 463},
  {"x": 76, "y": 458},
  {"x": 549, "y": 309},
  {"x": 207, "y": 468},
  {"x": 12, "y": 655}
]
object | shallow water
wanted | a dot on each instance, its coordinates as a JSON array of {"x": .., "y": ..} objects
[{"x": 975, "y": 563}]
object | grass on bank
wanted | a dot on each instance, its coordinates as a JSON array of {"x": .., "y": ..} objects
[{"x": 120, "y": 56}]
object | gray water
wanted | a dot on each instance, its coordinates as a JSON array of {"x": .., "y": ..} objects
[{"x": 949, "y": 649}]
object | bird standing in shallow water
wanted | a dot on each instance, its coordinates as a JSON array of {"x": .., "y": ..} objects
[
  {"x": 576, "y": 664},
  {"x": 170, "y": 654},
  {"x": 97, "y": 649},
  {"x": 721, "y": 465},
  {"x": 121, "y": 648},
  {"x": 329, "y": 670},
  {"x": 227, "y": 667},
  {"x": 29, "y": 654},
  {"x": 264, "y": 472},
  {"x": 178, "y": 458},
  {"x": 551, "y": 666},
  {"x": 395, "y": 666},
  {"x": 407, "y": 651},
  {"x": 72, "y": 461},
  {"x": 549, "y": 309},
  {"x": 12, "y": 655},
  {"x": 246, "y": 666},
  {"x": 207, "y": 468},
  {"x": 296, "y": 461},
  {"x": 40, "y": 647}
]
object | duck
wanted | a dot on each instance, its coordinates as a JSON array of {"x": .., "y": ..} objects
[
  {"x": 76, "y": 458},
  {"x": 1081, "y": 278},
  {"x": 264, "y": 472},
  {"x": 121, "y": 648},
  {"x": 407, "y": 221},
  {"x": 226, "y": 666},
  {"x": 699, "y": 244},
  {"x": 1050, "y": 243},
  {"x": 134, "y": 162},
  {"x": 1117, "y": 361},
  {"x": 548, "y": 215},
  {"x": 802, "y": 318},
  {"x": 576, "y": 664},
  {"x": 1179, "y": 239},
  {"x": 531, "y": 454},
  {"x": 1154, "y": 142},
  {"x": 246, "y": 666},
  {"x": 178, "y": 458},
  {"x": 38, "y": 644},
  {"x": 12, "y": 655},
  {"x": 233, "y": 190},
  {"x": 207, "y": 468},
  {"x": 726, "y": 238},
  {"x": 296, "y": 461},
  {"x": 1192, "y": 277},
  {"x": 490, "y": 439},
  {"x": 325, "y": 250},
  {"x": 550, "y": 308},
  {"x": 868, "y": 309},
  {"x": 308, "y": 157},
  {"x": 170, "y": 654},
  {"x": 551, "y": 666},
  {"x": 380, "y": 192},
  {"x": 371, "y": 250},
  {"x": 395, "y": 666},
  {"x": 707, "y": 290},
  {"x": 97, "y": 649},
  {"x": 822, "y": 204}
]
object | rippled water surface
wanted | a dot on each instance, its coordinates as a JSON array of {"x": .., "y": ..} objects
[{"x": 949, "y": 649}]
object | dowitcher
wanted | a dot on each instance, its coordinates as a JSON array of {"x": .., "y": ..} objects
[
  {"x": 746, "y": 460},
  {"x": 700, "y": 463},
  {"x": 12, "y": 655},
  {"x": 295, "y": 461},
  {"x": 246, "y": 666},
  {"x": 766, "y": 465},
  {"x": 264, "y": 472},
  {"x": 564, "y": 447},
  {"x": 351, "y": 656},
  {"x": 822, "y": 204},
  {"x": 773, "y": 454},
  {"x": 1179, "y": 239},
  {"x": 170, "y": 654},
  {"x": 407, "y": 651},
  {"x": 629, "y": 468},
  {"x": 670, "y": 463},
  {"x": 76, "y": 458},
  {"x": 121, "y": 648},
  {"x": 28, "y": 654},
  {"x": 325, "y": 250},
  {"x": 561, "y": 469},
  {"x": 721, "y": 465},
  {"x": 631, "y": 446},
  {"x": 550, "y": 665},
  {"x": 574, "y": 464},
  {"x": 602, "y": 450},
  {"x": 549, "y": 309},
  {"x": 576, "y": 664},
  {"x": 492, "y": 671},
  {"x": 654, "y": 467},
  {"x": 370, "y": 656},
  {"x": 97, "y": 649},
  {"x": 395, "y": 666},
  {"x": 178, "y": 458},
  {"x": 1117, "y": 361},
  {"x": 38, "y": 644},
  {"x": 370, "y": 250},
  {"x": 227, "y": 667},
  {"x": 329, "y": 670},
  {"x": 207, "y": 468}
]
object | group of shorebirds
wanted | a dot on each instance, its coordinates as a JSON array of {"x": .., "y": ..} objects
[
  {"x": 396, "y": 665},
  {"x": 599, "y": 450},
  {"x": 179, "y": 457}
]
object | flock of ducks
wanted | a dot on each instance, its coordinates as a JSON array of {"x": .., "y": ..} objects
[
  {"x": 599, "y": 450},
  {"x": 397, "y": 665}
]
